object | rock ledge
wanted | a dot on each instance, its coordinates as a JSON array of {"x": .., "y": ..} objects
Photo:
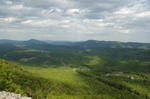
[{"x": 8, "y": 95}]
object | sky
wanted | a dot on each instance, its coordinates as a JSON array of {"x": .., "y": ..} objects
[{"x": 75, "y": 20}]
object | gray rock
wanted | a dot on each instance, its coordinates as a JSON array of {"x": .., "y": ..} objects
[{"x": 8, "y": 95}]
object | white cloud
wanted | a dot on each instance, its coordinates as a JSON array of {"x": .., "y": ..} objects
[
  {"x": 77, "y": 11},
  {"x": 73, "y": 11},
  {"x": 125, "y": 11},
  {"x": 39, "y": 23},
  {"x": 17, "y": 7},
  {"x": 67, "y": 21},
  {"x": 27, "y": 22},
  {"x": 143, "y": 14},
  {"x": 9, "y": 2},
  {"x": 98, "y": 23},
  {"x": 46, "y": 23},
  {"x": 126, "y": 31},
  {"x": 9, "y": 19},
  {"x": 83, "y": 18},
  {"x": 20, "y": 7},
  {"x": 12, "y": 30}
]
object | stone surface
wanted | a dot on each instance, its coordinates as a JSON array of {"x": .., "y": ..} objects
[{"x": 8, "y": 95}]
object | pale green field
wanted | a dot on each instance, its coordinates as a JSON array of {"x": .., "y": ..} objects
[
  {"x": 61, "y": 74},
  {"x": 68, "y": 84}
]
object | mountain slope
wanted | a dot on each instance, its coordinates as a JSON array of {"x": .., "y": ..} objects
[
  {"x": 61, "y": 83},
  {"x": 13, "y": 78}
]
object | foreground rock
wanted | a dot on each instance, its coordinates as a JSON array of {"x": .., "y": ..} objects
[{"x": 8, "y": 95}]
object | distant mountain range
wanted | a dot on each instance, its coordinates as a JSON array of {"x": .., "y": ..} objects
[{"x": 85, "y": 44}]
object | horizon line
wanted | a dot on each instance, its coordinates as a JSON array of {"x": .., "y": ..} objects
[{"x": 77, "y": 41}]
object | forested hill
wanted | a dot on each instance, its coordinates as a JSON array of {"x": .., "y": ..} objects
[
  {"x": 88, "y": 43},
  {"x": 113, "y": 44},
  {"x": 10, "y": 49}
]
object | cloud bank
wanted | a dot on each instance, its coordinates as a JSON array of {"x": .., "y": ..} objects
[{"x": 75, "y": 20}]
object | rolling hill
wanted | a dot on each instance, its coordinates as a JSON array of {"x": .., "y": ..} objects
[
  {"x": 66, "y": 83},
  {"x": 75, "y": 70}
]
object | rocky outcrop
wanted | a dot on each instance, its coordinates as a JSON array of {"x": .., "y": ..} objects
[{"x": 8, "y": 95}]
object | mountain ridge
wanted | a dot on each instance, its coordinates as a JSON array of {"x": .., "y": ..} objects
[{"x": 88, "y": 43}]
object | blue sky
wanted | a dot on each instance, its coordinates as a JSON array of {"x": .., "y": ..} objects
[{"x": 75, "y": 20}]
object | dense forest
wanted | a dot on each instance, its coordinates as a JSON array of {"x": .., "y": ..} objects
[{"x": 75, "y": 70}]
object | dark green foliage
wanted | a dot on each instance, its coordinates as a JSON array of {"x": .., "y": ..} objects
[
  {"x": 6, "y": 48},
  {"x": 117, "y": 50},
  {"x": 113, "y": 65},
  {"x": 34, "y": 57},
  {"x": 119, "y": 81},
  {"x": 15, "y": 79}
]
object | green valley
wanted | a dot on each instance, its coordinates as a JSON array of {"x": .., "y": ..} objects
[{"x": 51, "y": 71}]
